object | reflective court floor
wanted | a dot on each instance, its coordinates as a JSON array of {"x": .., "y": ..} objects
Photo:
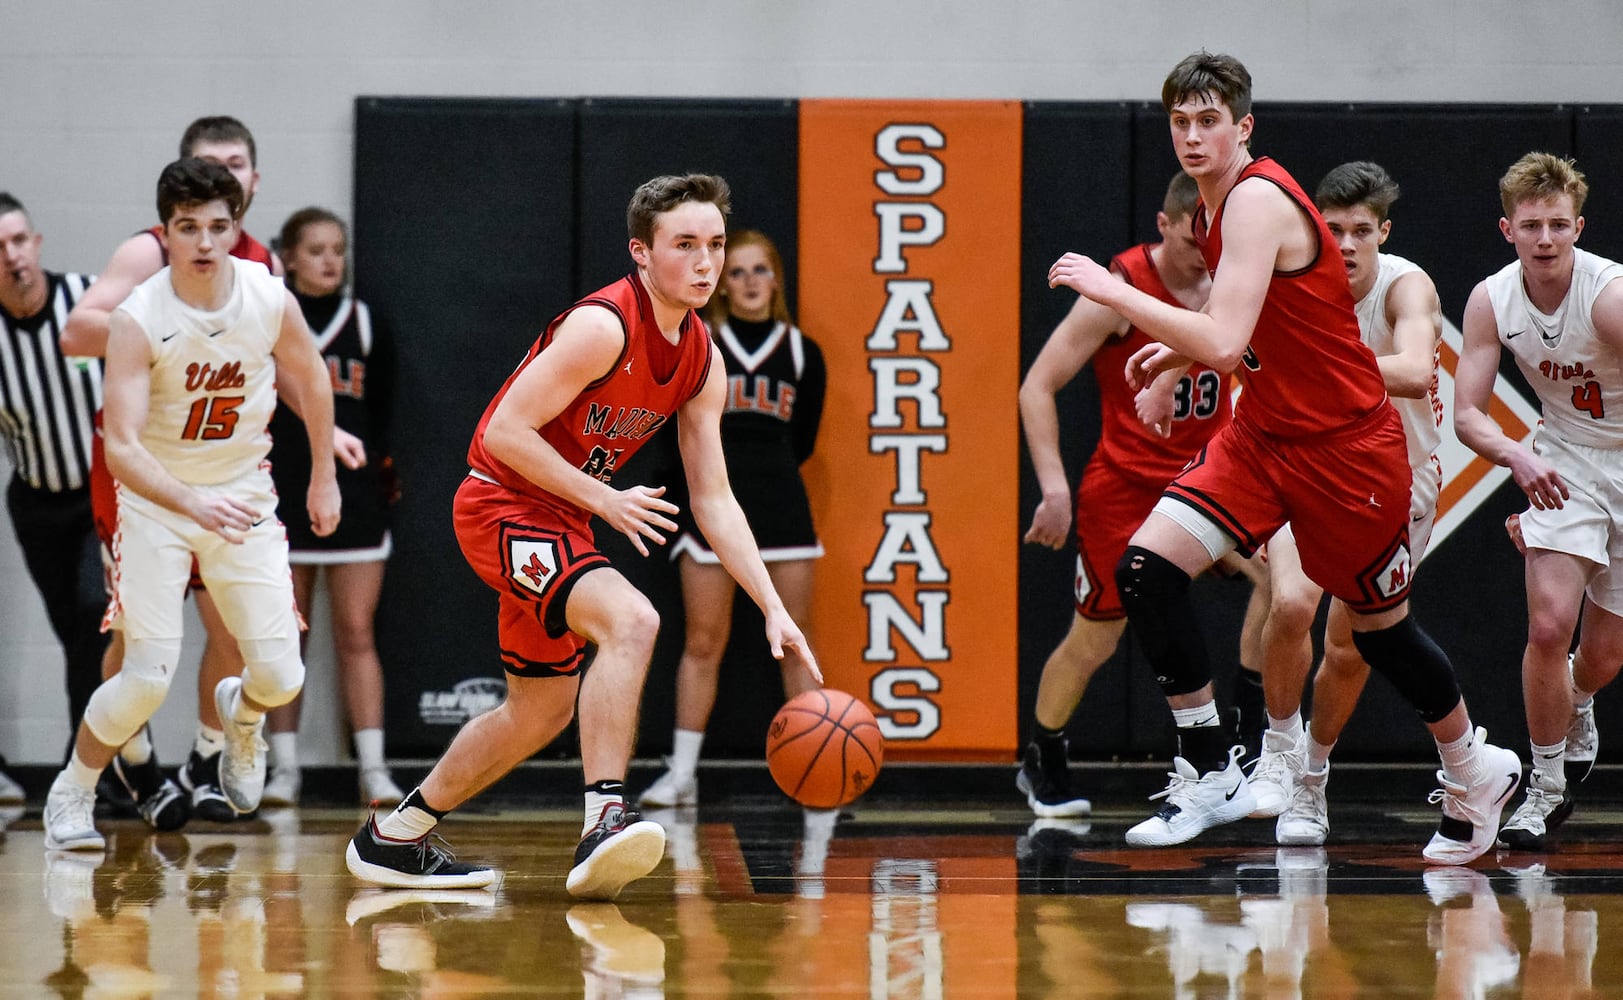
[{"x": 757, "y": 899}]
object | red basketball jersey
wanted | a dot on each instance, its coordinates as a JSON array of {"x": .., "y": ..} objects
[
  {"x": 615, "y": 415},
  {"x": 1201, "y": 405},
  {"x": 1307, "y": 370},
  {"x": 246, "y": 247}
]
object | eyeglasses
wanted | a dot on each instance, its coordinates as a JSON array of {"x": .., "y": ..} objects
[{"x": 758, "y": 271}]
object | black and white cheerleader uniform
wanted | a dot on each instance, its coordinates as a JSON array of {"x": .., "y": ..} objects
[
  {"x": 360, "y": 357},
  {"x": 775, "y": 387}
]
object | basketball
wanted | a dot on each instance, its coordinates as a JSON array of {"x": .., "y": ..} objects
[{"x": 824, "y": 748}]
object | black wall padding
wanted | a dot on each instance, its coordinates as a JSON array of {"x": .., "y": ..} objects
[{"x": 465, "y": 236}]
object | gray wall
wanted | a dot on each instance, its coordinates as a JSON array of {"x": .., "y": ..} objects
[{"x": 96, "y": 95}]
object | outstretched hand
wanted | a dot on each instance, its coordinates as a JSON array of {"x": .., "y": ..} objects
[{"x": 638, "y": 513}]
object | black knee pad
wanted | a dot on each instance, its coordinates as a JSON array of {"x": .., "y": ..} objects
[
  {"x": 1405, "y": 655},
  {"x": 1156, "y": 595}
]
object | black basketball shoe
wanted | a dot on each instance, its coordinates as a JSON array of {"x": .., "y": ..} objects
[
  {"x": 1047, "y": 787},
  {"x": 158, "y": 799},
  {"x": 200, "y": 777},
  {"x": 424, "y": 863},
  {"x": 620, "y": 849}
]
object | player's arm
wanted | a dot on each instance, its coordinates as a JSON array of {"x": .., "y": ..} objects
[
  {"x": 136, "y": 259},
  {"x": 1607, "y": 316},
  {"x": 722, "y": 521},
  {"x": 303, "y": 381},
  {"x": 1075, "y": 340},
  {"x": 1259, "y": 219},
  {"x": 126, "y": 399},
  {"x": 583, "y": 349},
  {"x": 1473, "y": 392},
  {"x": 1416, "y": 317}
]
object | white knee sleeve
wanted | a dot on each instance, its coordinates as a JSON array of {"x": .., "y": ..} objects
[
  {"x": 273, "y": 671},
  {"x": 124, "y": 703}
]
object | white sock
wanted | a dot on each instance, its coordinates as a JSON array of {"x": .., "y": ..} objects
[
  {"x": 1460, "y": 762},
  {"x": 81, "y": 774},
  {"x": 1200, "y": 715},
  {"x": 1291, "y": 727},
  {"x": 138, "y": 749},
  {"x": 209, "y": 741},
  {"x": 685, "y": 752},
  {"x": 1318, "y": 754},
  {"x": 284, "y": 750},
  {"x": 1549, "y": 764},
  {"x": 408, "y": 821},
  {"x": 369, "y": 749}
]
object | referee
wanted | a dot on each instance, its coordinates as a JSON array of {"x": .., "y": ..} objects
[{"x": 47, "y": 406}]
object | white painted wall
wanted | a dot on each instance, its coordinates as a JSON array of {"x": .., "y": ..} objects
[{"x": 96, "y": 95}]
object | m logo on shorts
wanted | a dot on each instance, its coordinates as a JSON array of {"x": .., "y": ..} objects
[
  {"x": 1393, "y": 578},
  {"x": 534, "y": 562}
]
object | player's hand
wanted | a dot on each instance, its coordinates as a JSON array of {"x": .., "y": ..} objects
[
  {"x": 789, "y": 643},
  {"x": 227, "y": 517},
  {"x": 1539, "y": 480},
  {"x": 1051, "y": 522},
  {"x": 1149, "y": 361},
  {"x": 639, "y": 513},
  {"x": 1513, "y": 528},
  {"x": 322, "y": 501},
  {"x": 1154, "y": 409},
  {"x": 1083, "y": 275},
  {"x": 348, "y": 449}
]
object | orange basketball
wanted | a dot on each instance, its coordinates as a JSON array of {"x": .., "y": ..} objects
[{"x": 824, "y": 748}]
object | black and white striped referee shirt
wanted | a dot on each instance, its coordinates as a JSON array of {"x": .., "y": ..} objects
[{"x": 48, "y": 402}]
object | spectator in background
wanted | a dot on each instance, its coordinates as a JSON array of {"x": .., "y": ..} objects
[
  {"x": 48, "y": 404},
  {"x": 775, "y": 382},
  {"x": 360, "y": 357}
]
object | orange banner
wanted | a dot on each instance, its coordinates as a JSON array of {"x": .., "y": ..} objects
[{"x": 909, "y": 280}]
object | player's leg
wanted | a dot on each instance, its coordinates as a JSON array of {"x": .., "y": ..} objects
[
  {"x": 1336, "y": 688},
  {"x": 154, "y": 561},
  {"x": 1207, "y": 787},
  {"x": 1595, "y": 665},
  {"x": 1478, "y": 778},
  {"x": 707, "y": 610},
  {"x": 354, "y": 589},
  {"x": 282, "y": 723},
  {"x": 221, "y": 659},
  {"x": 1287, "y": 657},
  {"x": 1044, "y": 772},
  {"x": 1248, "y": 704},
  {"x": 252, "y": 587}
]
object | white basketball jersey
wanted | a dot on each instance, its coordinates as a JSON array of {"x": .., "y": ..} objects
[
  {"x": 1578, "y": 379},
  {"x": 1422, "y": 417},
  {"x": 213, "y": 377}
]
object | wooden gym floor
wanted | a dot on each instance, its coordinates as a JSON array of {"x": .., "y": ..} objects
[{"x": 902, "y": 897}]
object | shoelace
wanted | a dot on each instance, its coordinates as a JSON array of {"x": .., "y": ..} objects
[
  {"x": 433, "y": 845},
  {"x": 1175, "y": 785},
  {"x": 1454, "y": 793}
]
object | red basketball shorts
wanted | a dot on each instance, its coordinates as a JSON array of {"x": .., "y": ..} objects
[
  {"x": 532, "y": 559},
  {"x": 1111, "y": 503},
  {"x": 1345, "y": 494}
]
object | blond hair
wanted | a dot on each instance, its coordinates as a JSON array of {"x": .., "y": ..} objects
[{"x": 1539, "y": 176}]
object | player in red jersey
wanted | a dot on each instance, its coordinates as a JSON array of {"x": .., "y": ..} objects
[
  {"x": 1314, "y": 441},
  {"x": 605, "y": 375},
  {"x": 228, "y": 142},
  {"x": 1124, "y": 477}
]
